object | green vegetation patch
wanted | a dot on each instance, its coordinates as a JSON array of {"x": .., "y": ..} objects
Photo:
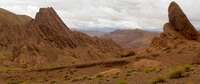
[
  {"x": 158, "y": 80},
  {"x": 179, "y": 71},
  {"x": 122, "y": 82},
  {"x": 152, "y": 69},
  {"x": 10, "y": 69},
  {"x": 14, "y": 82}
]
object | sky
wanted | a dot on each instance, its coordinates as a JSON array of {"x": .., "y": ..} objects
[{"x": 113, "y": 14}]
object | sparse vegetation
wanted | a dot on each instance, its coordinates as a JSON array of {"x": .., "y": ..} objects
[
  {"x": 9, "y": 69},
  {"x": 187, "y": 67},
  {"x": 152, "y": 69},
  {"x": 99, "y": 76},
  {"x": 76, "y": 79},
  {"x": 6, "y": 55},
  {"x": 14, "y": 81},
  {"x": 122, "y": 82},
  {"x": 158, "y": 80},
  {"x": 131, "y": 71},
  {"x": 53, "y": 82},
  {"x": 87, "y": 78},
  {"x": 179, "y": 71}
]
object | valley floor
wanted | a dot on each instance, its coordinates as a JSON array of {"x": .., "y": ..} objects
[{"x": 117, "y": 73}]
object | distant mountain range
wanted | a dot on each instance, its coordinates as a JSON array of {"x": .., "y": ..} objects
[{"x": 135, "y": 38}]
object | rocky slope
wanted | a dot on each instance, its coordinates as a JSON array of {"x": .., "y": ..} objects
[
  {"x": 47, "y": 40},
  {"x": 7, "y": 17},
  {"x": 132, "y": 38}
]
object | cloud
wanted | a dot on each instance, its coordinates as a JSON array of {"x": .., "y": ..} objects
[{"x": 146, "y": 14}]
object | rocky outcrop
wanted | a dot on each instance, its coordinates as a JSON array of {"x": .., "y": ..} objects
[
  {"x": 179, "y": 42},
  {"x": 178, "y": 27},
  {"x": 180, "y": 22}
]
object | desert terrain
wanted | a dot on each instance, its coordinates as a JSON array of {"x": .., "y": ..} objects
[{"x": 44, "y": 50}]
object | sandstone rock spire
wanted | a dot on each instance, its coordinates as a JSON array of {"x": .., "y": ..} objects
[
  {"x": 180, "y": 22},
  {"x": 178, "y": 27}
]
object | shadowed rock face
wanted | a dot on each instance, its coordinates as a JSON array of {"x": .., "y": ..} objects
[{"x": 180, "y": 22}]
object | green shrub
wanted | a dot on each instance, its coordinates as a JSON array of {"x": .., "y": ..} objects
[
  {"x": 158, "y": 80},
  {"x": 122, "y": 82},
  {"x": 14, "y": 82},
  {"x": 6, "y": 55},
  {"x": 179, "y": 71},
  {"x": 53, "y": 82},
  {"x": 152, "y": 69},
  {"x": 99, "y": 76},
  {"x": 131, "y": 71},
  {"x": 9, "y": 69},
  {"x": 87, "y": 78},
  {"x": 187, "y": 67},
  {"x": 176, "y": 74}
]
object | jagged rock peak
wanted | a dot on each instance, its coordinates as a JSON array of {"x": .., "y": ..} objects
[
  {"x": 181, "y": 23},
  {"x": 48, "y": 16}
]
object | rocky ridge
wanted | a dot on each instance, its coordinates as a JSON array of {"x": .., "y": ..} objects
[{"x": 47, "y": 40}]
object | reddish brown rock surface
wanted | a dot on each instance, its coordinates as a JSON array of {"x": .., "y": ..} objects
[
  {"x": 179, "y": 43},
  {"x": 181, "y": 23},
  {"x": 178, "y": 27},
  {"x": 47, "y": 40}
]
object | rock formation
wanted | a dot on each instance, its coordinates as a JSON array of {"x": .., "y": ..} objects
[
  {"x": 47, "y": 40},
  {"x": 178, "y": 27},
  {"x": 179, "y": 42},
  {"x": 180, "y": 22}
]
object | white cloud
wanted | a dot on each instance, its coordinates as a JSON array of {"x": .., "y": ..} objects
[{"x": 107, "y": 13}]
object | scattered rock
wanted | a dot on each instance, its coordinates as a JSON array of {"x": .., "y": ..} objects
[
  {"x": 110, "y": 73},
  {"x": 147, "y": 63}
]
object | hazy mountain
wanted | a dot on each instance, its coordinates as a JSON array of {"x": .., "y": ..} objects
[{"x": 135, "y": 38}]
